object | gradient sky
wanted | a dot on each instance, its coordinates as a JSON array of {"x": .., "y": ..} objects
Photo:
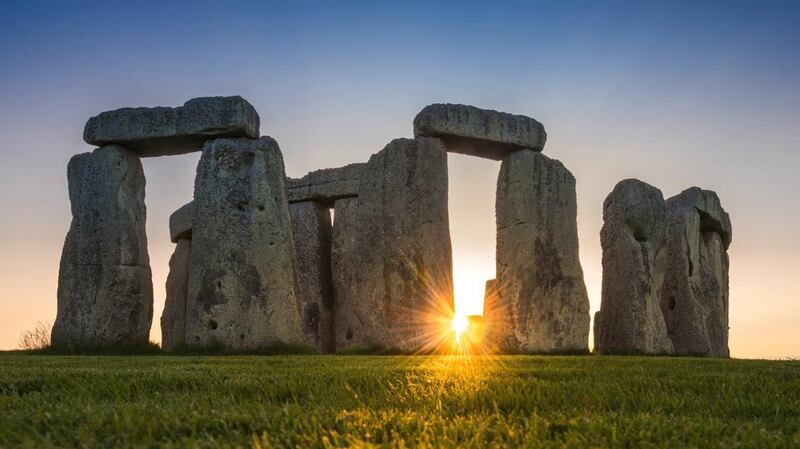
[{"x": 676, "y": 94}]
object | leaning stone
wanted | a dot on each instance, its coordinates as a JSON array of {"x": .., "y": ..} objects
[
  {"x": 325, "y": 186},
  {"x": 633, "y": 238},
  {"x": 311, "y": 226},
  {"x": 173, "y": 319},
  {"x": 542, "y": 302},
  {"x": 105, "y": 290},
  {"x": 349, "y": 328},
  {"x": 163, "y": 131},
  {"x": 694, "y": 298},
  {"x": 479, "y": 132},
  {"x": 180, "y": 223},
  {"x": 242, "y": 282},
  {"x": 403, "y": 286}
]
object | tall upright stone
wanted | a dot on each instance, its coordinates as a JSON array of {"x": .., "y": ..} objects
[
  {"x": 634, "y": 262},
  {"x": 403, "y": 286},
  {"x": 242, "y": 293},
  {"x": 105, "y": 291},
  {"x": 542, "y": 303},
  {"x": 173, "y": 318},
  {"x": 350, "y": 324},
  {"x": 694, "y": 298},
  {"x": 311, "y": 226}
]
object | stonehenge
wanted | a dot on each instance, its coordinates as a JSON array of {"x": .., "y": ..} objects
[
  {"x": 105, "y": 291},
  {"x": 542, "y": 303},
  {"x": 359, "y": 257},
  {"x": 633, "y": 240},
  {"x": 695, "y": 292}
]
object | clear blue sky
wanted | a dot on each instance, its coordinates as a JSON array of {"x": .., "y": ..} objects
[{"x": 677, "y": 94}]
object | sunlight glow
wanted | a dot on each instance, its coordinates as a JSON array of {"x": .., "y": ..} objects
[{"x": 460, "y": 325}]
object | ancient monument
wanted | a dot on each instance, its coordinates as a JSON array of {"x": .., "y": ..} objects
[{"x": 360, "y": 256}]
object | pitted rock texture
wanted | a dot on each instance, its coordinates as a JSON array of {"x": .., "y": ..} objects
[
  {"x": 242, "y": 282},
  {"x": 325, "y": 186},
  {"x": 105, "y": 290},
  {"x": 479, "y": 132},
  {"x": 173, "y": 319},
  {"x": 180, "y": 223},
  {"x": 403, "y": 283},
  {"x": 349, "y": 319},
  {"x": 311, "y": 226},
  {"x": 542, "y": 302},
  {"x": 633, "y": 240},
  {"x": 694, "y": 297},
  {"x": 163, "y": 131}
]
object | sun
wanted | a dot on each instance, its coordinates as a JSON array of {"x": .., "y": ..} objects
[{"x": 459, "y": 326}]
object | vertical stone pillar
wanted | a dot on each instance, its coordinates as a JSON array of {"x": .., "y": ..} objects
[
  {"x": 173, "y": 319},
  {"x": 634, "y": 262},
  {"x": 105, "y": 291},
  {"x": 311, "y": 227},
  {"x": 242, "y": 293},
  {"x": 694, "y": 298},
  {"x": 403, "y": 284},
  {"x": 350, "y": 325},
  {"x": 542, "y": 301}
]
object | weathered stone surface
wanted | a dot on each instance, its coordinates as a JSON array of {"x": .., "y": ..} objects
[
  {"x": 164, "y": 131},
  {"x": 173, "y": 319},
  {"x": 325, "y": 186},
  {"x": 242, "y": 282},
  {"x": 479, "y": 132},
  {"x": 694, "y": 297},
  {"x": 634, "y": 262},
  {"x": 542, "y": 301},
  {"x": 403, "y": 289},
  {"x": 349, "y": 320},
  {"x": 180, "y": 223},
  {"x": 311, "y": 226},
  {"x": 105, "y": 291}
]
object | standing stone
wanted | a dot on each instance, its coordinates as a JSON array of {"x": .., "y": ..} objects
[
  {"x": 164, "y": 131},
  {"x": 633, "y": 239},
  {"x": 105, "y": 290},
  {"x": 479, "y": 132},
  {"x": 403, "y": 284},
  {"x": 242, "y": 282},
  {"x": 311, "y": 226},
  {"x": 694, "y": 298},
  {"x": 542, "y": 301},
  {"x": 349, "y": 320},
  {"x": 173, "y": 319}
]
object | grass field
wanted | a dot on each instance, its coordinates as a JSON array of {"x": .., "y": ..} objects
[{"x": 374, "y": 401}]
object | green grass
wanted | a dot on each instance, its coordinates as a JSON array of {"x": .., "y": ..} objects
[{"x": 382, "y": 401}]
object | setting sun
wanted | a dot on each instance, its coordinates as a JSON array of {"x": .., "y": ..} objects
[{"x": 459, "y": 326}]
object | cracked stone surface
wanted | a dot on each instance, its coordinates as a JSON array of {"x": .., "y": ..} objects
[
  {"x": 105, "y": 291},
  {"x": 325, "y": 186},
  {"x": 633, "y": 241},
  {"x": 173, "y": 318},
  {"x": 163, "y": 131},
  {"x": 242, "y": 292},
  {"x": 479, "y": 132},
  {"x": 695, "y": 293},
  {"x": 542, "y": 304},
  {"x": 311, "y": 226}
]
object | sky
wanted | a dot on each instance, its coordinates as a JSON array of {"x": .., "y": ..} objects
[{"x": 677, "y": 94}]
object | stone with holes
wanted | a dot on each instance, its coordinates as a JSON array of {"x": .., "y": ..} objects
[
  {"x": 542, "y": 304},
  {"x": 105, "y": 291},
  {"x": 242, "y": 293},
  {"x": 634, "y": 261},
  {"x": 694, "y": 298},
  {"x": 311, "y": 227}
]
